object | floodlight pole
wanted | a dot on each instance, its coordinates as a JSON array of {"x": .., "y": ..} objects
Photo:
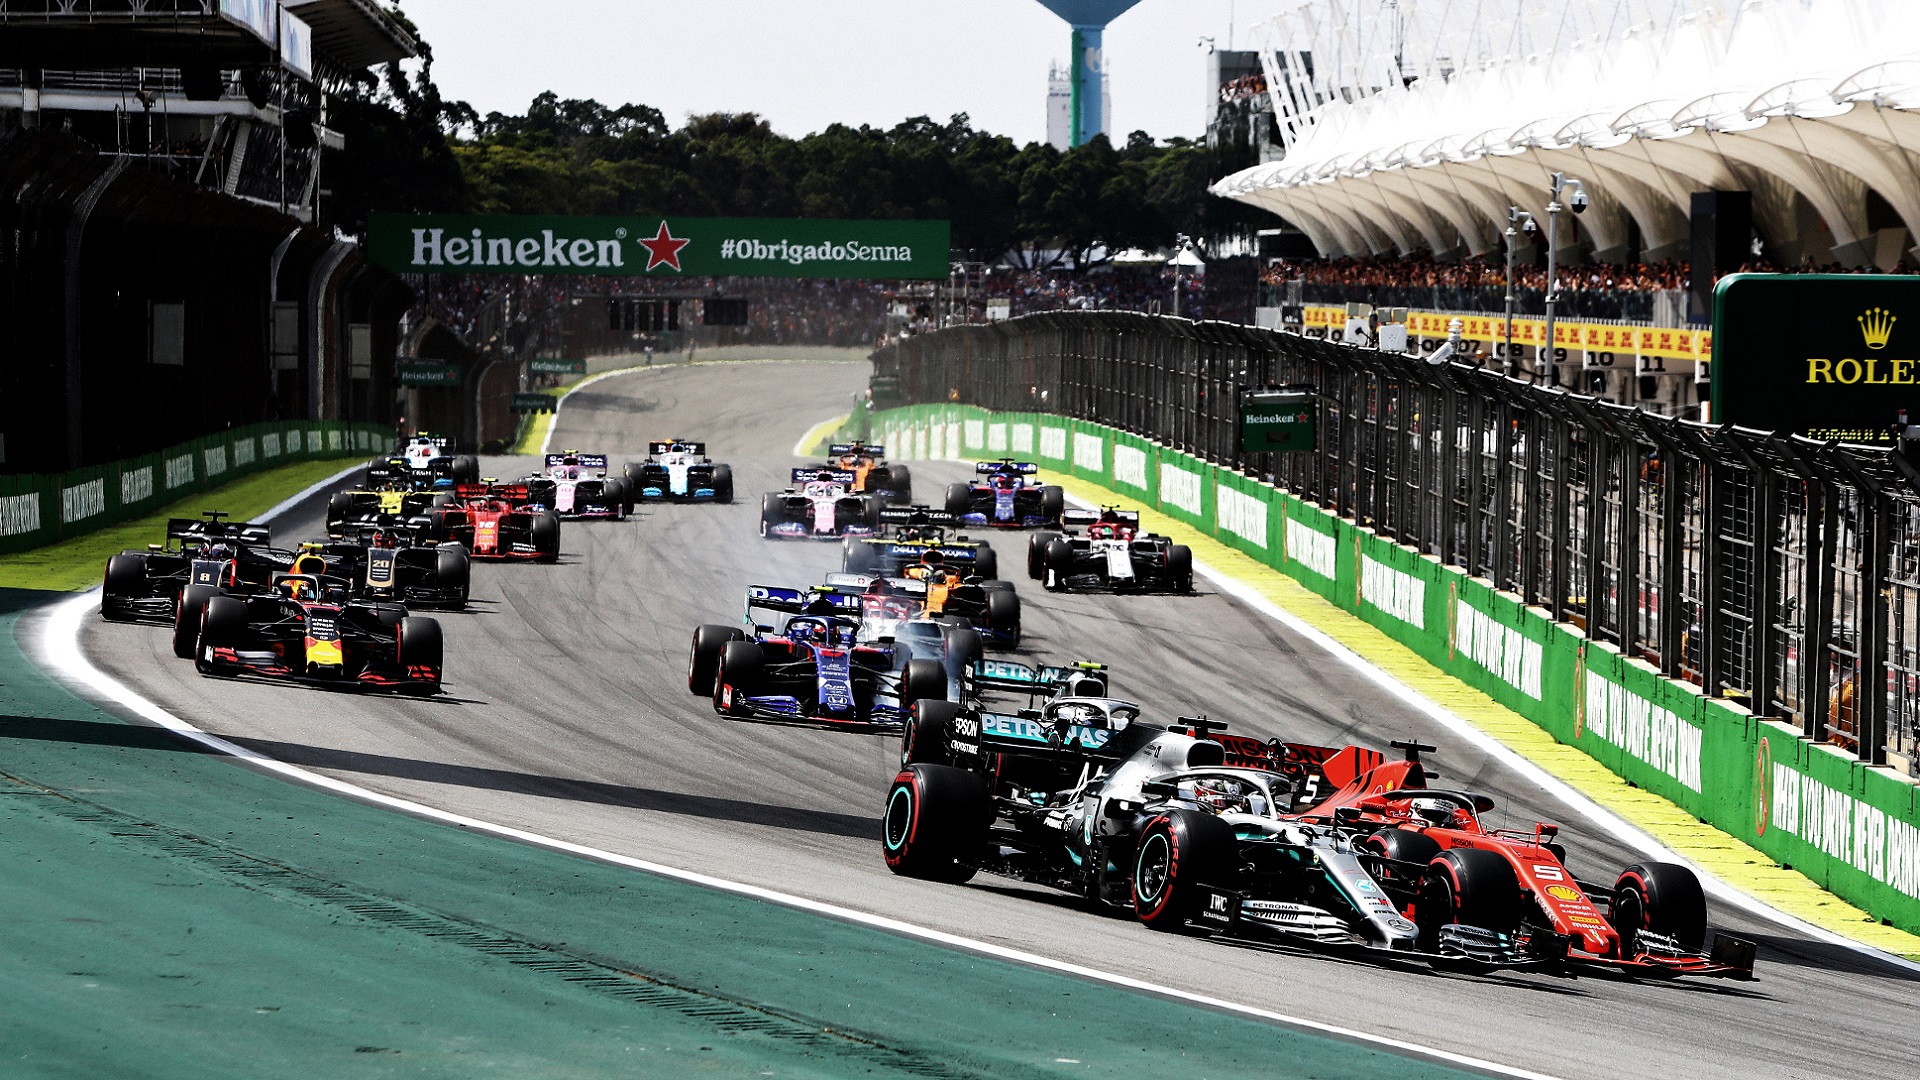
[
  {"x": 1561, "y": 182},
  {"x": 1515, "y": 217}
]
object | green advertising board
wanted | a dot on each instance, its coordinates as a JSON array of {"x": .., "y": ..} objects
[
  {"x": 549, "y": 366},
  {"x": 533, "y": 403},
  {"x": 1828, "y": 356},
  {"x": 426, "y": 373},
  {"x": 1278, "y": 422},
  {"x": 656, "y": 246}
]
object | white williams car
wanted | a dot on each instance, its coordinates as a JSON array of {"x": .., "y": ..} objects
[{"x": 679, "y": 469}]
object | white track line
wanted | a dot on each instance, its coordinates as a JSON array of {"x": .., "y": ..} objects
[{"x": 61, "y": 641}]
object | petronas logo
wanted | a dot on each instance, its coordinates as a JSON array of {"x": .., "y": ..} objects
[{"x": 1876, "y": 326}]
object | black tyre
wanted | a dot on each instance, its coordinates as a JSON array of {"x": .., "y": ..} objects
[
  {"x": 1037, "y": 554},
  {"x": 614, "y": 490},
  {"x": 1003, "y": 611},
  {"x": 855, "y": 557},
  {"x": 936, "y": 824},
  {"x": 1180, "y": 567},
  {"x": 959, "y": 498},
  {"x": 222, "y": 623},
  {"x": 1470, "y": 886},
  {"x": 703, "y": 660},
  {"x": 453, "y": 573},
  {"x": 419, "y": 646},
  {"x": 1059, "y": 562},
  {"x": 1053, "y": 503},
  {"x": 963, "y": 647},
  {"x": 546, "y": 536},
  {"x": 901, "y": 484},
  {"x": 1415, "y": 849},
  {"x": 875, "y": 504},
  {"x": 466, "y": 469},
  {"x": 923, "y": 679},
  {"x": 1662, "y": 898},
  {"x": 928, "y": 739},
  {"x": 739, "y": 673},
  {"x": 186, "y": 618},
  {"x": 773, "y": 510},
  {"x": 723, "y": 483},
  {"x": 986, "y": 563},
  {"x": 125, "y": 579},
  {"x": 1180, "y": 853}
]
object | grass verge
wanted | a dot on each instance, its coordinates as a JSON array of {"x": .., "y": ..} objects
[{"x": 74, "y": 565}]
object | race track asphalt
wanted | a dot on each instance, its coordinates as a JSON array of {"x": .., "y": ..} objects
[{"x": 567, "y": 714}]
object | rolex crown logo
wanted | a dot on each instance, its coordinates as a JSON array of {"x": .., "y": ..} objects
[{"x": 1876, "y": 326}]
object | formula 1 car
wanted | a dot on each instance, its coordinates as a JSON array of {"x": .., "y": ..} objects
[
  {"x": 820, "y": 504},
  {"x": 891, "y": 482},
  {"x": 576, "y": 485},
  {"x": 1113, "y": 554},
  {"x": 500, "y": 521},
  {"x": 1497, "y": 897},
  {"x": 350, "y": 511},
  {"x": 916, "y": 530},
  {"x": 1010, "y": 497},
  {"x": 423, "y": 459},
  {"x": 306, "y": 628},
  {"x": 393, "y": 562},
  {"x": 814, "y": 669},
  {"x": 679, "y": 469},
  {"x": 146, "y": 586}
]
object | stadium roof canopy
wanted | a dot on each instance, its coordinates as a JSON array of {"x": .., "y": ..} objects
[
  {"x": 342, "y": 35},
  {"x": 1413, "y": 124}
]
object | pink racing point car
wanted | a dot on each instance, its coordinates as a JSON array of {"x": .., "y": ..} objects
[
  {"x": 576, "y": 485},
  {"x": 820, "y": 505}
]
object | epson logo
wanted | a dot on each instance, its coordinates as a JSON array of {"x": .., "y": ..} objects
[{"x": 966, "y": 727}]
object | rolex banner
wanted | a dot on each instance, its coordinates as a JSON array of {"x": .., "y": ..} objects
[
  {"x": 656, "y": 246},
  {"x": 1828, "y": 356}
]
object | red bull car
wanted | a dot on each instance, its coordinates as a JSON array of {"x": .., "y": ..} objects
[
  {"x": 307, "y": 628},
  {"x": 501, "y": 521},
  {"x": 819, "y": 504},
  {"x": 1008, "y": 495},
  {"x": 576, "y": 485}
]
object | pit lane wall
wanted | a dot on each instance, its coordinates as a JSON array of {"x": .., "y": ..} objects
[
  {"x": 38, "y": 509},
  {"x": 1852, "y": 828}
]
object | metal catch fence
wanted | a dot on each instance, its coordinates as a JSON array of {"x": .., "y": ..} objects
[{"x": 1773, "y": 570}]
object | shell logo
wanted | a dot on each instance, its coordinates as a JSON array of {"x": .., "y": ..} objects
[{"x": 1564, "y": 892}]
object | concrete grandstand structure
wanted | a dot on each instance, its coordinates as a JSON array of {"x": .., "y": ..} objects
[{"x": 1417, "y": 123}]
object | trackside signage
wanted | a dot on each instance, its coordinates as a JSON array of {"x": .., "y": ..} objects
[
  {"x": 1130, "y": 466},
  {"x": 1393, "y": 593},
  {"x": 1179, "y": 487},
  {"x": 657, "y": 246},
  {"x": 1503, "y": 651},
  {"x": 1659, "y": 737},
  {"x": 1864, "y": 837},
  {"x": 1088, "y": 452},
  {"x": 20, "y": 514},
  {"x": 1239, "y": 513},
  {"x": 1311, "y": 549}
]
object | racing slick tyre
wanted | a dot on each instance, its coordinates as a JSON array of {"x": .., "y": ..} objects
[
  {"x": 923, "y": 679},
  {"x": 453, "y": 573},
  {"x": 546, "y": 536},
  {"x": 1180, "y": 568},
  {"x": 466, "y": 469},
  {"x": 614, "y": 490},
  {"x": 339, "y": 506},
  {"x": 874, "y": 504},
  {"x": 1003, "y": 609},
  {"x": 964, "y": 646},
  {"x": 1059, "y": 561},
  {"x": 737, "y": 676},
  {"x": 221, "y": 622},
  {"x": 703, "y": 659},
  {"x": 1404, "y": 846},
  {"x": 773, "y": 510},
  {"x": 1180, "y": 854},
  {"x": 417, "y": 644},
  {"x": 723, "y": 483},
  {"x": 1053, "y": 503},
  {"x": 937, "y": 823},
  {"x": 959, "y": 498},
  {"x": 1470, "y": 886},
  {"x": 855, "y": 557},
  {"x": 1661, "y": 898},
  {"x": 1037, "y": 554},
  {"x": 928, "y": 739},
  {"x": 186, "y": 618},
  {"x": 987, "y": 563},
  {"x": 126, "y": 579},
  {"x": 900, "y": 483}
]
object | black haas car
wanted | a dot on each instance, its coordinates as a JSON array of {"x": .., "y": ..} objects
[
  {"x": 1114, "y": 553},
  {"x": 1008, "y": 495},
  {"x": 209, "y": 554},
  {"x": 307, "y": 628},
  {"x": 391, "y": 561}
]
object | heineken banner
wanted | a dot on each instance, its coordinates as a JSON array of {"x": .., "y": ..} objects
[{"x": 617, "y": 246}]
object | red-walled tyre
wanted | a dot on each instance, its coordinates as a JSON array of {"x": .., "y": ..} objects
[
  {"x": 936, "y": 824},
  {"x": 1662, "y": 898},
  {"x": 1180, "y": 854}
]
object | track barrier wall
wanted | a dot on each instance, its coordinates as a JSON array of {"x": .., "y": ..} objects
[
  {"x": 1852, "y": 827},
  {"x": 38, "y": 509}
]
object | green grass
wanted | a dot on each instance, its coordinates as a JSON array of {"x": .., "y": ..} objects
[{"x": 76, "y": 564}]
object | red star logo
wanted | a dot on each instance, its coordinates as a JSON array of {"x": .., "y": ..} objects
[{"x": 663, "y": 248}]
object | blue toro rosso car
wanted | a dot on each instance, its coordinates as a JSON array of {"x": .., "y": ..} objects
[
  {"x": 1008, "y": 495},
  {"x": 815, "y": 669}
]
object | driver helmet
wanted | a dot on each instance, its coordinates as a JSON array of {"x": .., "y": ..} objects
[
  {"x": 1219, "y": 796},
  {"x": 336, "y": 594},
  {"x": 217, "y": 550},
  {"x": 808, "y": 630},
  {"x": 295, "y": 588},
  {"x": 1431, "y": 811}
]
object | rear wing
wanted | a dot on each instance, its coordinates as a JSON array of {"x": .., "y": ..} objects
[
  {"x": 818, "y": 600},
  {"x": 671, "y": 445},
  {"x": 1006, "y": 465},
  {"x": 204, "y": 531},
  {"x": 912, "y": 553},
  {"x": 513, "y": 493},
  {"x": 585, "y": 461},
  {"x": 812, "y": 473},
  {"x": 836, "y": 449},
  {"x": 1029, "y": 679},
  {"x": 916, "y": 515},
  {"x": 1129, "y": 518}
]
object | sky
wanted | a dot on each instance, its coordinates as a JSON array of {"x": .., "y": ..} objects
[{"x": 805, "y": 64}]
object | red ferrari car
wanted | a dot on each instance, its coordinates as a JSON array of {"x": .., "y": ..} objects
[{"x": 499, "y": 521}]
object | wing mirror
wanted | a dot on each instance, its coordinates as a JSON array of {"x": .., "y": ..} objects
[{"x": 1482, "y": 803}]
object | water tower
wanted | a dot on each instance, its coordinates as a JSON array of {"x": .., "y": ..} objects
[{"x": 1088, "y": 19}]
